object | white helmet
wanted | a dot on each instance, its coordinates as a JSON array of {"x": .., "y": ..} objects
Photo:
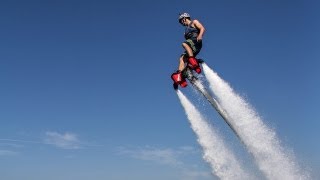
[{"x": 183, "y": 15}]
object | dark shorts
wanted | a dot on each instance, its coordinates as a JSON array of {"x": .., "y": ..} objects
[{"x": 195, "y": 46}]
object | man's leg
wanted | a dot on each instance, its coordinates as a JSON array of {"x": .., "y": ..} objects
[
  {"x": 181, "y": 62},
  {"x": 191, "y": 59},
  {"x": 182, "y": 58},
  {"x": 177, "y": 76},
  {"x": 188, "y": 49}
]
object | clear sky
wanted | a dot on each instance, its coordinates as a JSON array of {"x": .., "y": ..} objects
[{"x": 85, "y": 88}]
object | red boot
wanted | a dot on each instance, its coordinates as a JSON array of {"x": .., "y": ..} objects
[
  {"x": 178, "y": 79},
  {"x": 193, "y": 64}
]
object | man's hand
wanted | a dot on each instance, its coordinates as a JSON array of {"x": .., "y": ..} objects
[{"x": 199, "y": 38}]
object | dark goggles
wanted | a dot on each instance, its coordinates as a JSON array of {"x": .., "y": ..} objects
[{"x": 181, "y": 20}]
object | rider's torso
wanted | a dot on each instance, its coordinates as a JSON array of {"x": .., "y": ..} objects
[{"x": 191, "y": 32}]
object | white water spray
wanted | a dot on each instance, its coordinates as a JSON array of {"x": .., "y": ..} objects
[
  {"x": 223, "y": 162},
  {"x": 261, "y": 141}
]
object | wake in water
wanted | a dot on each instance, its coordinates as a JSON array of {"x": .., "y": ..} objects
[
  {"x": 261, "y": 141},
  {"x": 223, "y": 162}
]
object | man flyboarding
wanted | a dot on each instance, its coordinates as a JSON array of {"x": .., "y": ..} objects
[
  {"x": 192, "y": 45},
  {"x": 188, "y": 63}
]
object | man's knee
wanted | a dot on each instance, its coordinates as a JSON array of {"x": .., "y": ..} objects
[{"x": 185, "y": 45}]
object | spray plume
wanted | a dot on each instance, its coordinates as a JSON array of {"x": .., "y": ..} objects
[
  {"x": 223, "y": 162},
  {"x": 261, "y": 141}
]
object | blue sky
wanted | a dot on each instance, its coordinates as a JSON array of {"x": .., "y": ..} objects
[{"x": 86, "y": 90}]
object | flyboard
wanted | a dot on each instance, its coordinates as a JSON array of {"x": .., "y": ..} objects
[{"x": 188, "y": 73}]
